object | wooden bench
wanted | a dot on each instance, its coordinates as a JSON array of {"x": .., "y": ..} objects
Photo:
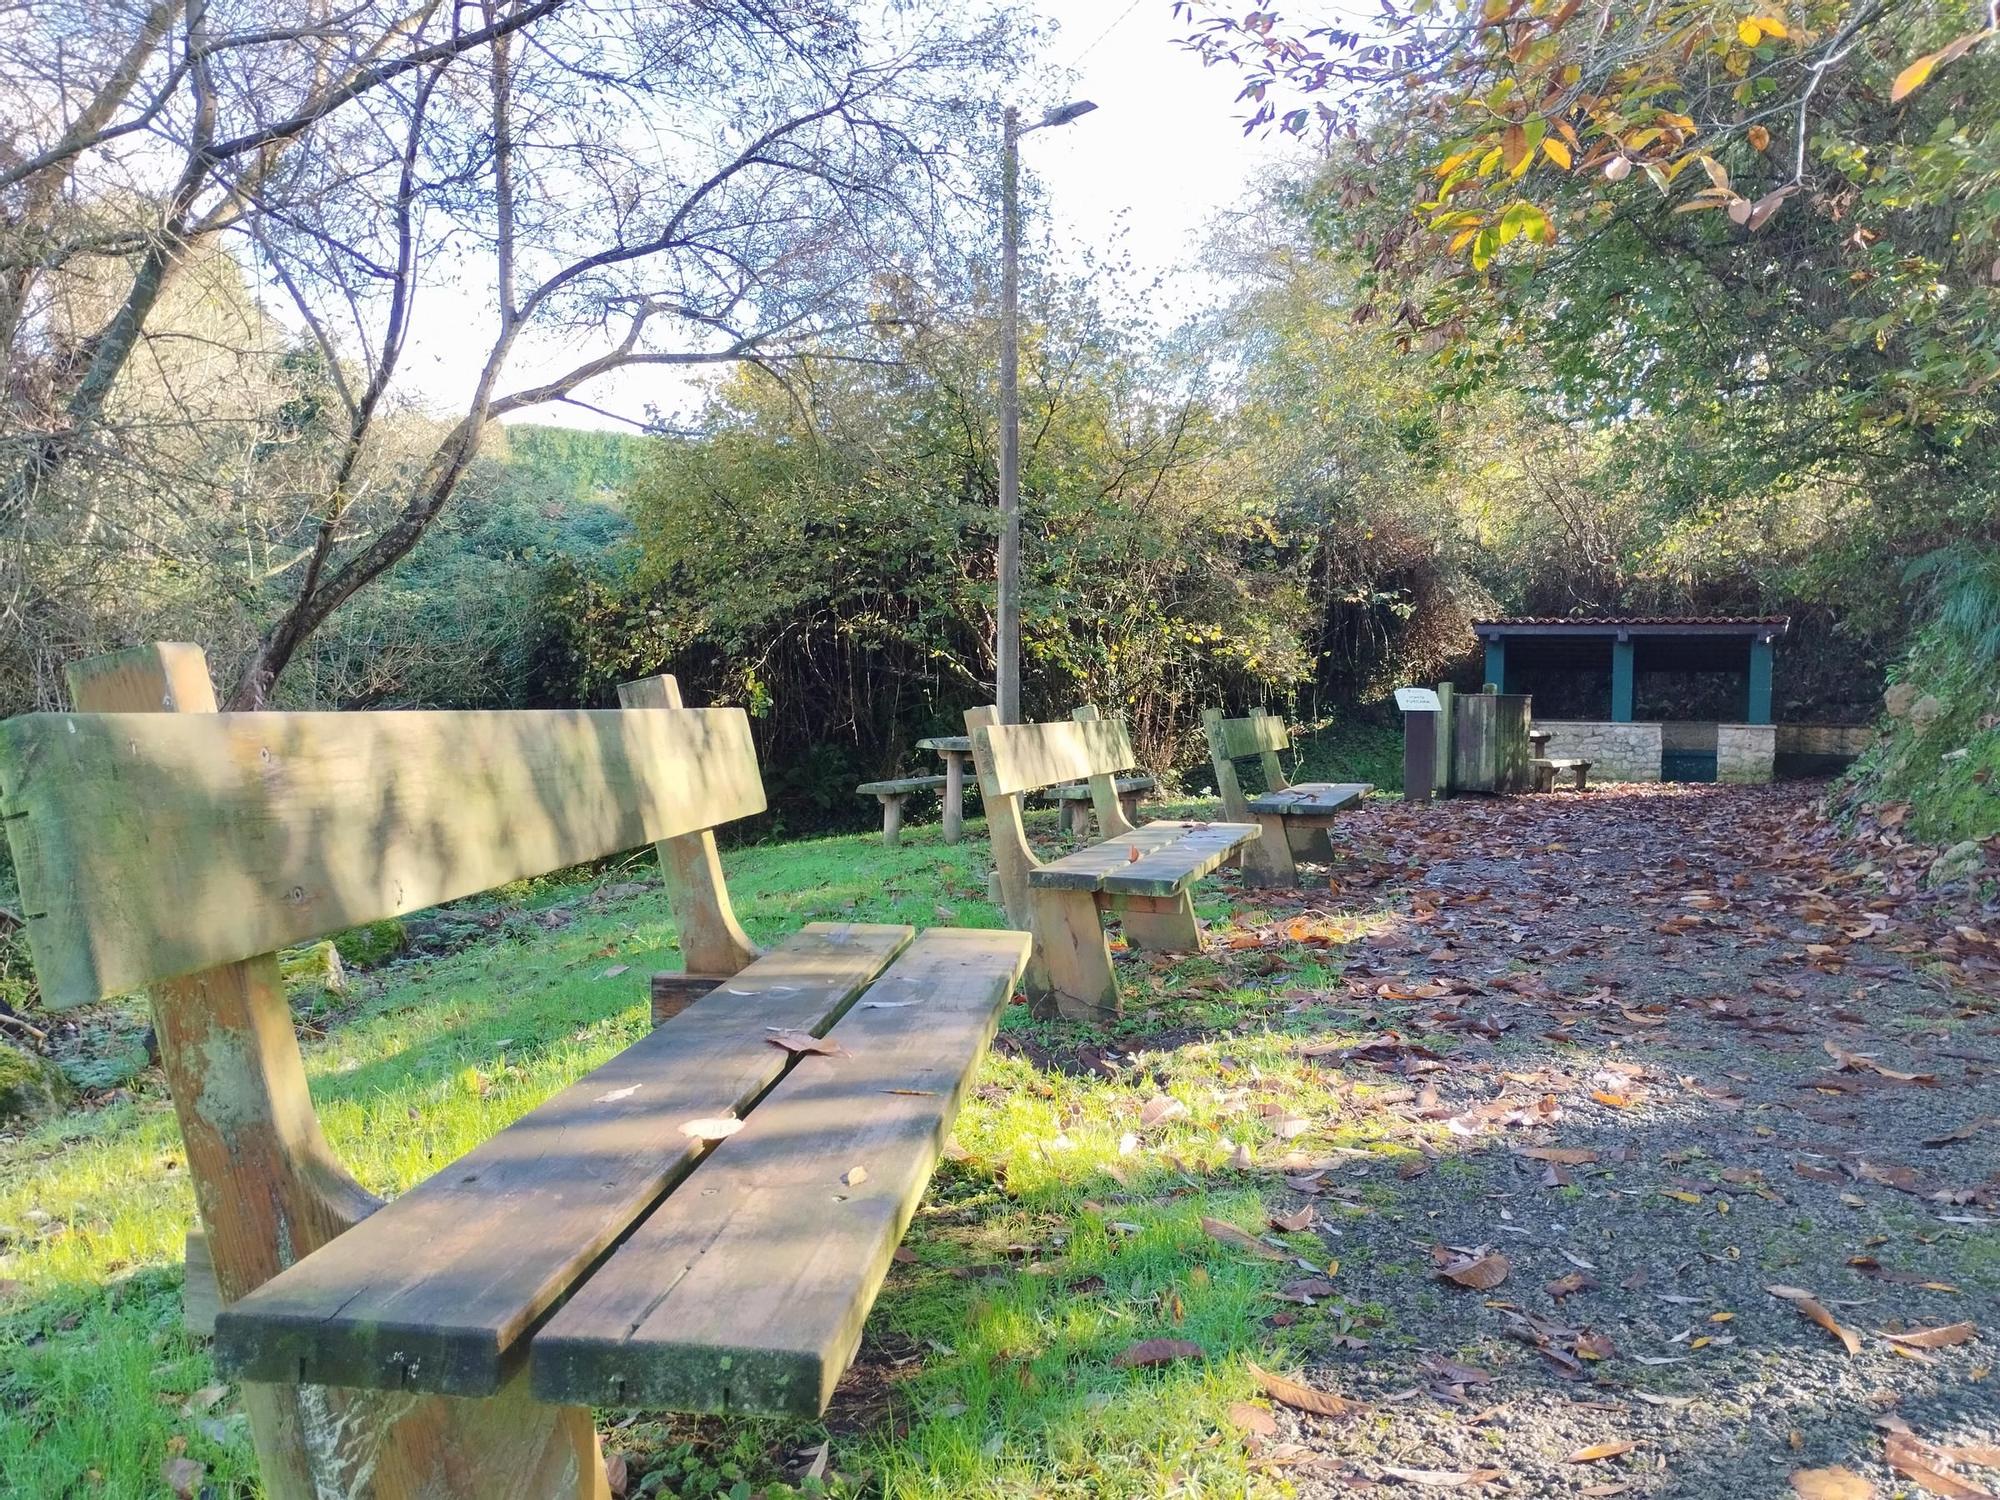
[
  {"x": 1546, "y": 770},
  {"x": 1295, "y": 819},
  {"x": 892, "y": 795},
  {"x": 596, "y": 1251},
  {"x": 1075, "y": 800},
  {"x": 1140, "y": 874}
]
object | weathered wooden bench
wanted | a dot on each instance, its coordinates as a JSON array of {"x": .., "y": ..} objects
[
  {"x": 1547, "y": 769},
  {"x": 1296, "y": 819},
  {"x": 1141, "y": 875},
  {"x": 598, "y": 1250},
  {"x": 1076, "y": 804},
  {"x": 892, "y": 795}
]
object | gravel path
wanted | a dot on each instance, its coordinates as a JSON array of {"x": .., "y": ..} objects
[{"x": 1664, "y": 1049}]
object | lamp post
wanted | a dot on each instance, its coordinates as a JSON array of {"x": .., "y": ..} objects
[{"x": 1007, "y": 649}]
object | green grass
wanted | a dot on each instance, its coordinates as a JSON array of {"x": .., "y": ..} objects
[{"x": 1051, "y": 1240}]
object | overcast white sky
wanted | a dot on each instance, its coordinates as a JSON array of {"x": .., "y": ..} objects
[{"x": 1163, "y": 154}]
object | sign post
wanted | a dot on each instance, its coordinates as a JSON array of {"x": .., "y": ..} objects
[{"x": 1421, "y": 709}]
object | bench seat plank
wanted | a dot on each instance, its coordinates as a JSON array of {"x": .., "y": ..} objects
[
  {"x": 901, "y": 784},
  {"x": 747, "y": 1289},
  {"x": 434, "y": 1291},
  {"x": 1170, "y": 870},
  {"x": 1080, "y": 792},
  {"x": 1311, "y": 799},
  {"x": 1085, "y": 869},
  {"x": 1172, "y": 854}
]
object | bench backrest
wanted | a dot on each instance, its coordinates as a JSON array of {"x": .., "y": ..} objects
[
  {"x": 1028, "y": 757},
  {"x": 151, "y": 845},
  {"x": 1229, "y": 740},
  {"x": 1015, "y": 758}
]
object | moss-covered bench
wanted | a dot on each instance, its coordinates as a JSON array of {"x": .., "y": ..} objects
[{"x": 1296, "y": 819}]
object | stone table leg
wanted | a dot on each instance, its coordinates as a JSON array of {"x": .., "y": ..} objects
[{"x": 954, "y": 795}]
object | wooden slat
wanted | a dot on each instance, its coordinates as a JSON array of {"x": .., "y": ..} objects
[
  {"x": 1085, "y": 869},
  {"x": 1126, "y": 786},
  {"x": 1172, "y": 868},
  {"x": 435, "y": 1291},
  {"x": 746, "y": 1290},
  {"x": 1313, "y": 797},
  {"x": 903, "y": 784},
  {"x": 1024, "y": 757},
  {"x": 1255, "y": 736},
  {"x": 152, "y": 845}
]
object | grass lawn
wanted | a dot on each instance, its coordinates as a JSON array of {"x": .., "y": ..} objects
[{"x": 1061, "y": 1230}]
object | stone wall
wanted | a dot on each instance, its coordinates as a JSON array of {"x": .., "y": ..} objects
[
  {"x": 1848, "y": 740},
  {"x": 1616, "y": 752},
  {"x": 1745, "y": 752}
]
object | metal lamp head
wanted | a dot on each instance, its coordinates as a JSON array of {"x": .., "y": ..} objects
[{"x": 1075, "y": 109}]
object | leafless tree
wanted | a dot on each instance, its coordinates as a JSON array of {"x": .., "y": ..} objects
[{"x": 617, "y": 184}]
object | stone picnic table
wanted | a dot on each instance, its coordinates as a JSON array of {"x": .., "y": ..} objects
[{"x": 956, "y": 751}]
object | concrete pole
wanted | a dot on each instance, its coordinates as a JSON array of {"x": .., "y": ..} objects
[{"x": 1007, "y": 645}]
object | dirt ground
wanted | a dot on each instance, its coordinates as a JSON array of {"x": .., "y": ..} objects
[{"x": 1718, "y": 1171}]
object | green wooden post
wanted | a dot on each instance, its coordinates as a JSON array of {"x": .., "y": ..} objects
[
  {"x": 1444, "y": 739},
  {"x": 1496, "y": 663},
  {"x": 1621, "y": 680},
  {"x": 1760, "y": 681}
]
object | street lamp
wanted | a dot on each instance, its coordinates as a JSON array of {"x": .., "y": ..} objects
[{"x": 1007, "y": 650}]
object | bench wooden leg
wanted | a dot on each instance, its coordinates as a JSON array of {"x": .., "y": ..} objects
[
  {"x": 892, "y": 817},
  {"x": 1268, "y": 861},
  {"x": 954, "y": 796},
  {"x": 1076, "y": 819},
  {"x": 1072, "y": 959},
  {"x": 1309, "y": 839},
  {"x": 1163, "y": 924},
  {"x": 1129, "y": 801},
  {"x": 1582, "y": 776}
]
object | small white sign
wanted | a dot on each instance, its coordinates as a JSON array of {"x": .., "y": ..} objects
[{"x": 1418, "y": 700}]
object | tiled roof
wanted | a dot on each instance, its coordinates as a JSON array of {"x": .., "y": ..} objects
[{"x": 1747, "y": 621}]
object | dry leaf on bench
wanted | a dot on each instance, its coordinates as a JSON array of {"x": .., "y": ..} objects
[
  {"x": 1810, "y": 1309},
  {"x": 720, "y": 1128},
  {"x": 1479, "y": 1273},
  {"x": 1229, "y": 1234},
  {"x": 1831, "y": 1484},
  {"x": 1131, "y": 854},
  {"x": 803, "y": 1041},
  {"x": 1597, "y": 1452},
  {"x": 1157, "y": 1352},
  {"x": 1303, "y": 1397},
  {"x": 854, "y": 1176},
  {"x": 1935, "y": 1338}
]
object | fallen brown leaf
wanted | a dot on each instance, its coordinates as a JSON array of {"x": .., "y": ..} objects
[
  {"x": 1159, "y": 1109},
  {"x": 1442, "y": 1479},
  {"x": 1303, "y": 1397},
  {"x": 1293, "y": 1222},
  {"x": 1597, "y": 1452},
  {"x": 1810, "y": 1309},
  {"x": 1252, "y": 1418},
  {"x": 1831, "y": 1484},
  {"x": 1236, "y": 1239},
  {"x": 1914, "y": 1459},
  {"x": 183, "y": 1476},
  {"x": 1479, "y": 1273},
  {"x": 1935, "y": 1338}
]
